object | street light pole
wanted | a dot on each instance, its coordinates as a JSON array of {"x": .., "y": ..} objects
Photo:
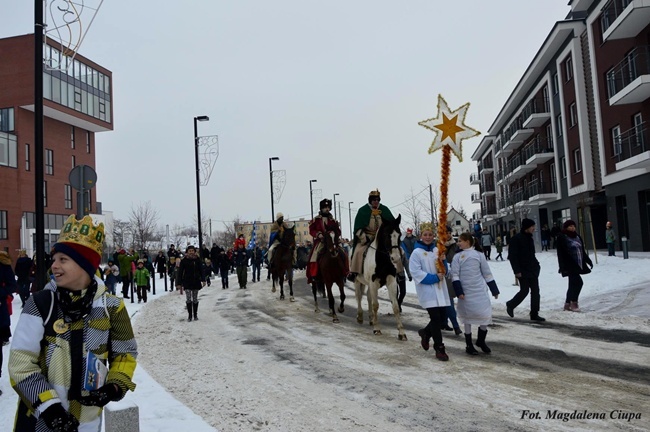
[
  {"x": 350, "y": 216},
  {"x": 311, "y": 198},
  {"x": 271, "y": 159},
  {"x": 198, "y": 182},
  {"x": 335, "y": 195}
]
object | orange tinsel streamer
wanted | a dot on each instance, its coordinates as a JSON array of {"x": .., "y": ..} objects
[{"x": 442, "y": 211}]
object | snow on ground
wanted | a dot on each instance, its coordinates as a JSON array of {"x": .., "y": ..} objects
[{"x": 253, "y": 362}]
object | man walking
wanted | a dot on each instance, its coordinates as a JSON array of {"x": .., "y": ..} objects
[
  {"x": 526, "y": 268},
  {"x": 610, "y": 238}
]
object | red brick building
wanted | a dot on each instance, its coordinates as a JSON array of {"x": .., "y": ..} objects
[{"x": 77, "y": 104}]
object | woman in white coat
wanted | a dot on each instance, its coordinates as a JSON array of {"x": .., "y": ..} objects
[
  {"x": 471, "y": 278},
  {"x": 431, "y": 289}
]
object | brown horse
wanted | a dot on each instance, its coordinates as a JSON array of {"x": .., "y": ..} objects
[
  {"x": 282, "y": 262},
  {"x": 331, "y": 270}
]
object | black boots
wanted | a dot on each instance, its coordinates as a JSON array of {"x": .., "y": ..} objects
[
  {"x": 480, "y": 341},
  {"x": 469, "y": 348},
  {"x": 189, "y": 311},
  {"x": 424, "y": 339},
  {"x": 536, "y": 317},
  {"x": 195, "y": 306},
  {"x": 440, "y": 352}
]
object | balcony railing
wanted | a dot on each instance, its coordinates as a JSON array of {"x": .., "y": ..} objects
[
  {"x": 611, "y": 11},
  {"x": 476, "y": 215},
  {"x": 537, "y": 105},
  {"x": 488, "y": 185},
  {"x": 635, "y": 64},
  {"x": 474, "y": 178},
  {"x": 487, "y": 164},
  {"x": 537, "y": 187},
  {"x": 476, "y": 197},
  {"x": 630, "y": 143},
  {"x": 538, "y": 145},
  {"x": 514, "y": 163}
]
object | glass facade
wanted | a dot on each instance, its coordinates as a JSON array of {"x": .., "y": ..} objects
[
  {"x": 8, "y": 150},
  {"x": 6, "y": 120},
  {"x": 77, "y": 86}
]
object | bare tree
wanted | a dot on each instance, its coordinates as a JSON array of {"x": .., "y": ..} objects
[
  {"x": 413, "y": 210},
  {"x": 462, "y": 211},
  {"x": 120, "y": 228},
  {"x": 144, "y": 220}
]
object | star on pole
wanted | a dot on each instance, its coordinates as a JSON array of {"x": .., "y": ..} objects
[{"x": 449, "y": 127}]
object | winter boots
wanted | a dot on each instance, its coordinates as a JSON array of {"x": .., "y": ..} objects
[
  {"x": 425, "y": 339},
  {"x": 469, "y": 348},
  {"x": 480, "y": 341},
  {"x": 574, "y": 306},
  {"x": 189, "y": 311},
  {"x": 440, "y": 352},
  {"x": 567, "y": 306},
  {"x": 195, "y": 307}
]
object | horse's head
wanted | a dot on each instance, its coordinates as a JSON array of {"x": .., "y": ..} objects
[
  {"x": 389, "y": 235},
  {"x": 331, "y": 241},
  {"x": 289, "y": 237}
]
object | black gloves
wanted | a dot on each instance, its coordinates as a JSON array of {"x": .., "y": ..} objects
[
  {"x": 59, "y": 420},
  {"x": 102, "y": 396},
  {"x": 410, "y": 278}
]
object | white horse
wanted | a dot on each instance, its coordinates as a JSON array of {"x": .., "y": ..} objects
[{"x": 380, "y": 266}]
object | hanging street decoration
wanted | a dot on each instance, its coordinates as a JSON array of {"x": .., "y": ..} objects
[{"x": 450, "y": 129}]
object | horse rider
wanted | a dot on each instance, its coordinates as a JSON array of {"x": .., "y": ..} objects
[
  {"x": 323, "y": 224},
  {"x": 277, "y": 231},
  {"x": 366, "y": 224}
]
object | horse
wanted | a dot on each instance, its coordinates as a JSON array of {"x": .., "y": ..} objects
[
  {"x": 331, "y": 271},
  {"x": 282, "y": 262},
  {"x": 380, "y": 264}
]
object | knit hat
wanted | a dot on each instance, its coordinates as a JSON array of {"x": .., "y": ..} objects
[
  {"x": 568, "y": 223},
  {"x": 527, "y": 223},
  {"x": 409, "y": 230},
  {"x": 279, "y": 215},
  {"x": 82, "y": 241}
]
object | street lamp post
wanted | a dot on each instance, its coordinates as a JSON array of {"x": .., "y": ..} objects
[
  {"x": 335, "y": 195},
  {"x": 311, "y": 198},
  {"x": 350, "y": 217},
  {"x": 198, "y": 182},
  {"x": 271, "y": 159}
]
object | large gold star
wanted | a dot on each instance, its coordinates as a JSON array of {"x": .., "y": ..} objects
[{"x": 449, "y": 127}]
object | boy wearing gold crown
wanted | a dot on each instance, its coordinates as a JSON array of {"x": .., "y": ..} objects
[{"x": 66, "y": 335}]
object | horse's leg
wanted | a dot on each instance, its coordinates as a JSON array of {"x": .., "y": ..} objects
[
  {"x": 281, "y": 281},
  {"x": 373, "y": 305},
  {"x": 358, "y": 293},
  {"x": 341, "y": 285},
  {"x": 290, "y": 280},
  {"x": 273, "y": 278},
  {"x": 314, "y": 289},
  {"x": 391, "y": 284},
  {"x": 330, "y": 300}
]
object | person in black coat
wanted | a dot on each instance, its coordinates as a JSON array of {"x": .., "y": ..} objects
[
  {"x": 161, "y": 264},
  {"x": 190, "y": 275},
  {"x": 215, "y": 253},
  {"x": 240, "y": 258},
  {"x": 224, "y": 267},
  {"x": 22, "y": 268},
  {"x": 521, "y": 254},
  {"x": 257, "y": 258},
  {"x": 573, "y": 261}
]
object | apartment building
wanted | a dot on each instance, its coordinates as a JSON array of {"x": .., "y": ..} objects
[
  {"x": 77, "y": 105},
  {"x": 263, "y": 231},
  {"x": 571, "y": 140}
]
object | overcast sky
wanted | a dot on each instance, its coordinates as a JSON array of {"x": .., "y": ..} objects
[{"x": 334, "y": 89}]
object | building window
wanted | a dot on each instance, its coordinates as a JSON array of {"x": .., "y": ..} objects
[
  {"x": 87, "y": 142},
  {"x": 8, "y": 150},
  {"x": 638, "y": 129},
  {"x": 74, "y": 161},
  {"x": 6, "y": 120},
  {"x": 556, "y": 85},
  {"x": 72, "y": 143},
  {"x": 560, "y": 127},
  {"x": 577, "y": 161},
  {"x": 553, "y": 178},
  {"x": 616, "y": 140},
  {"x": 568, "y": 69},
  {"x": 563, "y": 167},
  {"x": 68, "y": 196},
  {"x": 573, "y": 111},
  {"x": 4, "y": 231},
  {"x": 44, "y": 194},
  {"x": 26, "y": 157},
  {"x": 49, "y": 162}
]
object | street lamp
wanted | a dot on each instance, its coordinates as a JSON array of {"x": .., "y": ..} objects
[
  {"x": 198, "y": 183},
  {"x": 350, "y": 216},
  {"x": 311, "y": 198},
  {"x": 335, "y": 195},
  {"x": 271, "y": 159}
]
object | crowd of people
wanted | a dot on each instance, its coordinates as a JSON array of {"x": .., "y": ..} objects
[{"x": 57, "y": 314}]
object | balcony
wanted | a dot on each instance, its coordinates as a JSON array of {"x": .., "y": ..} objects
[
  {"x": 629, "y": 81},
  {"x": 488, "y": 166},
  {"x": 536, "y": 113},
  {"x": 623, "y": 19},
  {"x": 488, "y": 186},
  {"x": 632, "y": 150},
  {"x": 474, "y": 179},
  {"x": 518, "y": 137},
  {"x": 519, "y": 196},
  {"x": 540, "y": 192},
  {"x": 476, "y": 198},
  {"x": 476, "y": 215},
  {"x": 538, "y": 151}
]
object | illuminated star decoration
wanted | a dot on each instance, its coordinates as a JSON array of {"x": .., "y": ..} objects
[{"x": 450, "y": 128}]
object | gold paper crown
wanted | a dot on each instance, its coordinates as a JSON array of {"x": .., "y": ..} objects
[
  {"x": 83, "y": 233},
  {"x": 426, "y": 226},
  {"x": 374, "y": 193}
]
